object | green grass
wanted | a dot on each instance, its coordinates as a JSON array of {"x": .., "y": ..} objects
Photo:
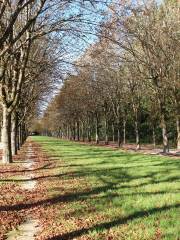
[{"x": 136, "y": 196}]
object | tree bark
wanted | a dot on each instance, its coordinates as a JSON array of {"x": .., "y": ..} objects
[
  {"x": 106, "y": 133},
  {"x": 68, "y": 133},
  {"x": 78, "y": 131},
  {"x": 74, "y": 132},
  {"x": 154, "y": 137},
  {"x": 119, "y": 136},
  {"x": 97, "y": 130},
  {"x": 14, "y": 133},
  {"x": 83, "y": 139},
  {"x": 164, "y": 135},
  {"x": 89, "y": 129},
  {"x": 20, "y": 135},
  {"x": 136, "y": 126},
  {"x": 178, "y": 132},
  {"x": 71, "y": 134},
  {"x": 113, "y": 133},
  {"x": 89, "y": 134},
  {"x": 137, "y": 135},
  {"x": 23, "y": 132},
  {"x": 6, "y": 136},
  {"x": 124, "y": 131},
  {"x": 17, "y": 140}
]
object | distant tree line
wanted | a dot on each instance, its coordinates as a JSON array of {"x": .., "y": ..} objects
[{"x": 127, "y": 85}]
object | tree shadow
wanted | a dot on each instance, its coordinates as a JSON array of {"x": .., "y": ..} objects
[
  {"x": 111, "y": 178},
  {"x": 79, "y": 196},
  {"x": 35, "y": 178},
  {"x": 57, "y": 199},
  {"x": 117, "y": 222},
  {"x": 46, "y": 166}
]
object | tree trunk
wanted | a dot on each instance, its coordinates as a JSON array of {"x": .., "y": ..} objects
[
  {"x": 136, "y": 126},
  {"x": 60, "y": 133},
  {"x": 124, "y": 132},
  {"x": 78, "y": 131},
  {"x": 88, "y": 129},
  {"x": 71, "y": 134},
  {"x": 83, "y": 132},
  {"x": 18, "y": 143},
  {"x": 119, "y": 136},
  {"x": 164, "y": 135},
  {"x": 137, "y": 135},
  {"x": 74, "y": 132},
  {"x": 89, "y": 134},
  {"x": 20, "y": 135},
  {"x": 113, "y": 133},
  {"x": 6, "y": 136},
  {"x": 14, "y": 133},
  {"x": 178, "y": 132},
  {"x": 23, "y": 132},
  {"x": 154, "y": 137},
  {"x": 67, "y": 132},
  {"x": 97, "y": 130},
  {"x": 106, "y": 133}
]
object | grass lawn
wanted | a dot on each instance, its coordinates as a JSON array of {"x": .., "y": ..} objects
[{"x": 111, "y": 194}]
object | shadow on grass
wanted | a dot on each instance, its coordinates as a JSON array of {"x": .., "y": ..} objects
[
  {"x": 57, "y": 199},
  {"x": 78, "y": 196},
  {"x": 115, "y": 175},
  {"x": 117, "y": 222},
  {"x": 46, "y": 167},
  {"x": 36, "y": 178}
]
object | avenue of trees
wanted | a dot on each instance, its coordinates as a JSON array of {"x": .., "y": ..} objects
[
  {"x": 127, "y": 85},
  {"x": 33, "y": 39}
]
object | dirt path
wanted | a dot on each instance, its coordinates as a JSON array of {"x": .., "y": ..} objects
[
  {"x": 27, "y": 208},
  {"x": 28, "y": 229},
  {"x": 25, "y": 231},
  {"x": 22, "y": 190},
  {"x": 29, "y": 166}
]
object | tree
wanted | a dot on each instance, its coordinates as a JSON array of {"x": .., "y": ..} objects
[{"x": 23, "y": 23}]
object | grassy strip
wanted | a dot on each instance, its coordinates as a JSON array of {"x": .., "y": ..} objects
[{"x": 100, "y": 193}]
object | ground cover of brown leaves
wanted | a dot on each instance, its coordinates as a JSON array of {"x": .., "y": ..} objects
[
  {"x": 50, "y": 202},
  {"x": 17, "y": 203}
]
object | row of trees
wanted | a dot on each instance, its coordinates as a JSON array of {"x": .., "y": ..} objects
[
  {"x": 32, "y": 43},
  {"x": 128, "y": 83}
]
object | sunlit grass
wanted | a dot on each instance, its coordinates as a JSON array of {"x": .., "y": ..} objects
[{"x": 136, "y": 196}]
